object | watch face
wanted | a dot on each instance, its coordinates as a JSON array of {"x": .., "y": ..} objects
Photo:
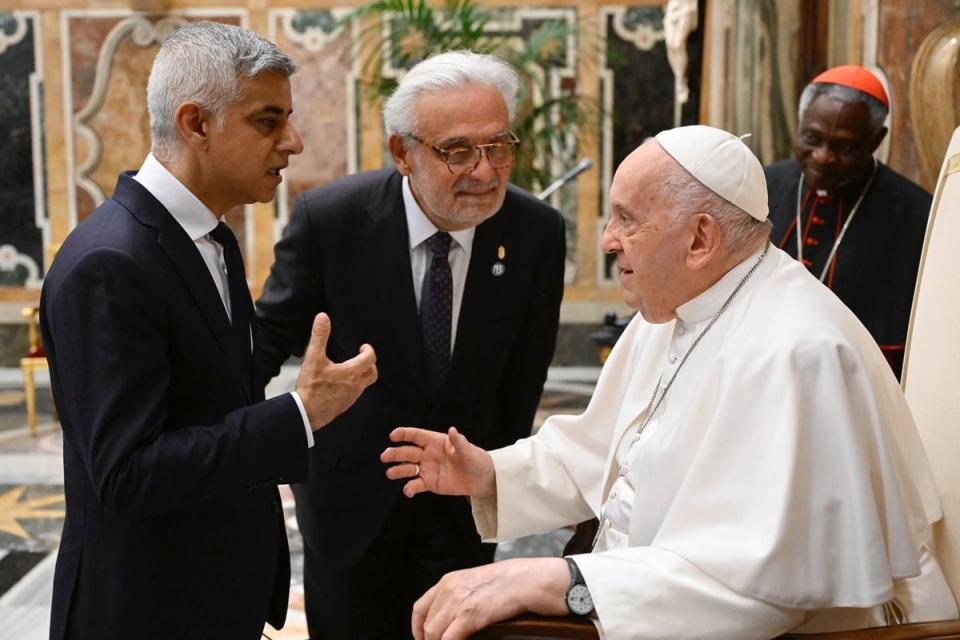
[{"x": 579, "y": 600}]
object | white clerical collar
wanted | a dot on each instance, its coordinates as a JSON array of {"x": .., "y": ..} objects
[
  {"x": 705, "y": 305},
  {"x": 186, "y": 208},
  {"x": 419, "y": 226}
]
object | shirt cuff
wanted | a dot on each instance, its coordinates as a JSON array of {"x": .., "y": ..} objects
[{"x": 303, "y": 414}]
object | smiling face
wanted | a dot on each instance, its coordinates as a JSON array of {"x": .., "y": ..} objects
[
  {"x": 459, "y": 117},
  {"x": 243, "y": 158},
  {"x": 835, "y": 142},
  {"x": 650, "y": 244}
]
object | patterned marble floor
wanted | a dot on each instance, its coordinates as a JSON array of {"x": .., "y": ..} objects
[{"x": 31, "y": 507}]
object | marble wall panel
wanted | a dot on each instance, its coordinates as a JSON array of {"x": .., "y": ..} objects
[
  {"x": 324, "y": 90},
  {"x": 638, "y": 88},
  {"x": 550, "y": 73},
  {"x": 22, "y": 214},
  {"x": 903, "y": 25},
  {"x": 108, "y": 60}
]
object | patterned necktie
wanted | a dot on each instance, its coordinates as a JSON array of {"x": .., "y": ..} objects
[
  {"x": 436, "y": 306},
  {"x": 240, "y": 301}
]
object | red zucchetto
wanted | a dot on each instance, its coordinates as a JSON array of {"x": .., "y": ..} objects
[{"x": 855, "y": 77}]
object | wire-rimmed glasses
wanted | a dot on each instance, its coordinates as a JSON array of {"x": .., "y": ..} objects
[{"x": 464, "y": 159}]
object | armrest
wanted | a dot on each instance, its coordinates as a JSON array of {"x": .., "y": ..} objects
[{"x": 532, "y": 626}]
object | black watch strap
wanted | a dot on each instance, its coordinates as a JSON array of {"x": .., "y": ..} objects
[
  {"x": 578, "y": 597},
  {"x": 575, "y": 576}
]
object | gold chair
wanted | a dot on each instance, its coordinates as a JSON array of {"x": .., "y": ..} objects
[{"x": 35, "y": 360}]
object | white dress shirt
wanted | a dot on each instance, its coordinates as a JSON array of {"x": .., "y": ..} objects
[
  {"x": 420, "y": 229},
  {"x": 198, "y": 221}
]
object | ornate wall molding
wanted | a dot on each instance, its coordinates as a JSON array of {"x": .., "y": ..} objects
[
  {"x": 142, "y": 33},
  {"x": 11, "y": 259},
  {"x": 17, "y": 20},
  {"x": 24, "y": 224}
]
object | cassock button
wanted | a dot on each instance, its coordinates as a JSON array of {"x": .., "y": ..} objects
[
  {"x": 816, "y": 220},
  {"x": 613, "y": 495},
  {"x": 636, "y": 436},
  {"x": 811, "y": 242},
  {"x": 673, "y": 358},
  {"x": 623, "y": 469}
]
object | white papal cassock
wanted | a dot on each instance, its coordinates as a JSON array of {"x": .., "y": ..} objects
[{"x": 780, "y": 485}]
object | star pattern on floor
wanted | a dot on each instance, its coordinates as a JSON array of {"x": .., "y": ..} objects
[{"x": 12, "y": 510}]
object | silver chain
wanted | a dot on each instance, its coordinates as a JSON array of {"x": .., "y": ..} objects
[
  {"x": 693, "y": 346},
  {"x": 843, "y": 231}
]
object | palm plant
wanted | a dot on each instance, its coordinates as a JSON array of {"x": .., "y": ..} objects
[{"x": 407, "y": 31}]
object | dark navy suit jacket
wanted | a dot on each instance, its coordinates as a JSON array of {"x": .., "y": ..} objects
[
  {"x": 173, "y": 522},
  {"x": 346, "y": 251}
]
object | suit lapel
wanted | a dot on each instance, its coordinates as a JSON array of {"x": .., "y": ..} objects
[
  {"x": 480, "y": 297},
  {"x": 187, "y": 261},
  {"x": 388, "y": 246}
]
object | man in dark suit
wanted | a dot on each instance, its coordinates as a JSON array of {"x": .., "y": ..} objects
[
  {"x": 857, "y": 224},
  {"x": 456, "y": 279},
  {"x": 174, "y": 527}
]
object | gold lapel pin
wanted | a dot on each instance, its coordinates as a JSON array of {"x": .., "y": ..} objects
[{"x": 499, "y": 268}]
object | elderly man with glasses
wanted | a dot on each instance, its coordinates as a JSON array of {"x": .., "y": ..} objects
[{"x": 455, "y": 278}]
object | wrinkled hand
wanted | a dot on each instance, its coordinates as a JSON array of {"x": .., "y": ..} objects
[
  {"x": 327, "y": 388},
  {"x": 443, "y": 463},
  {"x": 463, "y": 602}
]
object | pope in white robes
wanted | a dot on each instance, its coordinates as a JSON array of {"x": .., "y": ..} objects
[{"x": 748, "y": 451}]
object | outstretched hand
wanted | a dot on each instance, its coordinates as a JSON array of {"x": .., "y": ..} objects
[{"x": 443, "y": 463}]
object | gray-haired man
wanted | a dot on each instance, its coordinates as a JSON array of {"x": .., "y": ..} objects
[
  {"x": 171, "y": 455},
  {"x": 456, "y": 279}
]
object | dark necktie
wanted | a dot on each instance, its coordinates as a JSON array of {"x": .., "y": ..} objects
[
  {"x": 436, "y": 306},
  {"x": 240, "y": 301}
]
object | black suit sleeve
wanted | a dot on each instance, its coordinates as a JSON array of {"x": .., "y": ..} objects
[
  {"x": 114, "y": 354},
  {"x": 293, "y": 293},
  {"x": 530, "y": 356}
]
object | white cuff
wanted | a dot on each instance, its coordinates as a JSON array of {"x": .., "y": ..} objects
[{"x": 303, "y": 414}]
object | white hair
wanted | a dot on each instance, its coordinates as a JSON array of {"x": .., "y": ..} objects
[
  {"x": 845, "y": 94},
  {"x": 445, "y": 71},
  {"x": 205, "y": 62},
  {"x": 688, "y": 196}
]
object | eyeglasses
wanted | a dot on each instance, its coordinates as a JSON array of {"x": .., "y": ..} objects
[{"x": 500, "y": 155}]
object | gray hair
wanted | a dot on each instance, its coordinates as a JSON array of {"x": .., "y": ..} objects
[
  {"x": 444, "y": 71},
  {"x": 205, "y": 62},
  {"x": 848, "y": 95},
  {"x": 688, "y": 196}
]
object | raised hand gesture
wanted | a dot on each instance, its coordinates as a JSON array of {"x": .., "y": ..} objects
[{"x": 329, "y": 388}]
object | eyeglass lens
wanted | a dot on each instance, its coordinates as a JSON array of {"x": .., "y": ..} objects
[{"x": 499, "y": 155}]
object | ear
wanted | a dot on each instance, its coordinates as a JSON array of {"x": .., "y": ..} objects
[
  {"x": 193, "y": 125},
  {"x": 877, "y": 139},
  {"x": 705, "y": 241},
  {"x": 400, "y": 154}
]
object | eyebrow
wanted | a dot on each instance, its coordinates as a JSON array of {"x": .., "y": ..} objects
[
  {"x": 465, "y": 142},
  {"x": 272, "y": 109}
]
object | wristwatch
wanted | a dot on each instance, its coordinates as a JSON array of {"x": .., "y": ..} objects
[{"x": 579, "y": 601}]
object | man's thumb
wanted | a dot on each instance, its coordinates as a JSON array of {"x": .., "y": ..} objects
[{"x": 319, "y": 335}]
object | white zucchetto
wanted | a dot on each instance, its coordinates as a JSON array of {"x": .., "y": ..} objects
[{"x": 722, "y": 163}]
